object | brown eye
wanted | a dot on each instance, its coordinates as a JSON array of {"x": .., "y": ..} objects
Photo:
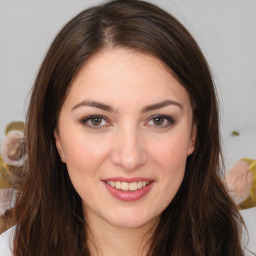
[
  {"x": 158, "y": 120},
  {"x": 96, "y": 121}
]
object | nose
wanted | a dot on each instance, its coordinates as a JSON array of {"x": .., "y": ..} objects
[{"x": 128, "y": 149}]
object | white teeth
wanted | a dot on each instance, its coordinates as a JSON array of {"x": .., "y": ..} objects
[
  {"x": 125, "y": 186},
  {"x": 118, "y": 185},
  {"x": 139, "y": 184},
  {"x": 133, "y": 186}
]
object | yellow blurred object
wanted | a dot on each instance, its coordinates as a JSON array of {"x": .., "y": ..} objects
[
  {"x": 4, "y": 183},
  {"x": 251, "y": 200},
  {"x": 14, "y": 126},
  {"x": 7, "y": 172}
]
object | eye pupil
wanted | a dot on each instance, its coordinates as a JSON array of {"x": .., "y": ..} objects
[
  {"x": 158, "y": 120},
  {"x": 96, "y": 121}
]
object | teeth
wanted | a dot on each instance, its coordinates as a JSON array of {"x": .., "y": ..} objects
[
  {"x": 133, "y": 186},
  {"x": 139, "y": 184},
  {"x": 118, "y": 185},
  {"x": 125, "y": 186}
]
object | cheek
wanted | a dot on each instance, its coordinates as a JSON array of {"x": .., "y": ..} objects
[
  {"x": 83, "y": 159},
  {"x": 84, "y": 154},
  {"x": 170, "y": 158},
  {"x": 171, "y": 151}
]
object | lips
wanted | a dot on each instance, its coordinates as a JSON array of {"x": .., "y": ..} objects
[{"x": 128, "y": 189}]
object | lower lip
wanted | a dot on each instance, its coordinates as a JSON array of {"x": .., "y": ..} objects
[{"x": 129, "y": 196}]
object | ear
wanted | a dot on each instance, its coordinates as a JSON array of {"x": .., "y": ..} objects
[
  {"x": 59, "y": 145},
  {"x": 192, "y": 140}
]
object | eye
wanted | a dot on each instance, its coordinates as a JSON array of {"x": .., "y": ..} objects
[
  {"x": 160, "y": 121},
  {"x": 95, "y": 121}
]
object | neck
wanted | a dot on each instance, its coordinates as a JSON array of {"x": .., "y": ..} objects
[{"x": 107, "y": 240}]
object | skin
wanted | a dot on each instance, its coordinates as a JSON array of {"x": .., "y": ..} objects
[{"x": 128, "y": 141}]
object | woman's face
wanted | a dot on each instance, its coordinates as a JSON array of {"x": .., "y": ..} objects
[{"x": 125, "y": 131}]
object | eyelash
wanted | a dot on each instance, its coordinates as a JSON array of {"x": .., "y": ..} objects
[
  {"x": 170, "y": 121},
  {"x": 85, "y": 121}
]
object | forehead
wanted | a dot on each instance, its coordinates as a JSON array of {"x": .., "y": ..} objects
[{"x": 125, "y": 75}]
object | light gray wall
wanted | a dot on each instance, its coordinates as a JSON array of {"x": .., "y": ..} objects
[{"x": 225, "y": 30}]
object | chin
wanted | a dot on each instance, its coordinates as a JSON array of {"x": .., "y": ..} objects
[{"x": 133, "y": 221}]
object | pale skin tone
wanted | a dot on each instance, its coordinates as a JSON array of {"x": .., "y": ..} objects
[{"x": 125, "y": 117}]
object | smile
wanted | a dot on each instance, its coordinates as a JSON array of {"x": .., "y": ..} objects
[
  {"x": 128, "y": 186},
  {"x": 128, "y": 190}
]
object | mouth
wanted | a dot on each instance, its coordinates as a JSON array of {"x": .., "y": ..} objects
[
  {"x": 128, "y": 186},
  {"x": 128, "y": 190}
]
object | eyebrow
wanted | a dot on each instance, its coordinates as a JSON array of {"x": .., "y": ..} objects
[
  {"x": 108, "y": 108},
  {"x": 93, "y": 104},
  {"x": 161, "y": 105}
]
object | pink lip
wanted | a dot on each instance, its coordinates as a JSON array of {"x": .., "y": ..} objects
[
  {"x": 123, "y": 179},
  {"x": 128, "y": 196}
]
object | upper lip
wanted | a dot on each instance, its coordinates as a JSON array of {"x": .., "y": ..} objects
[{"x": 128, "y": 180}]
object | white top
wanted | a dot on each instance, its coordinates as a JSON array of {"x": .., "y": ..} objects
[
  {"x": 249, "y": 216},
  {"x": 6, "y": 242}
]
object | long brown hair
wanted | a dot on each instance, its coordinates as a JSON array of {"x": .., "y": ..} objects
[{"x": 201, "y": 219}]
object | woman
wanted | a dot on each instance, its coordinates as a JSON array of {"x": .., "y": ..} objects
[{"x": 123, "y": 143}]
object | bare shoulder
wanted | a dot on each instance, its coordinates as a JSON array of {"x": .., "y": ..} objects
[{"x": 6, "y": 242}]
